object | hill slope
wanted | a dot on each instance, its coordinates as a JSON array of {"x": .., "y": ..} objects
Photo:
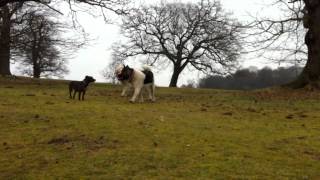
[{"x": 186, "y": 134}]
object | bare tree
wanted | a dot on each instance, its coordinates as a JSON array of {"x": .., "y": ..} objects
[
  {"x": 40, "y": 46},
  {"x": 199, "y": 35},
  {"x": 300, "y": 14},
  {"x": 9, "y": 7},
  {"x": 117, "y": 6},
  {"x": 280, "y": 38}
]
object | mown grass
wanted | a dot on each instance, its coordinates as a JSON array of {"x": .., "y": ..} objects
[{"x": 186, "y": 134}]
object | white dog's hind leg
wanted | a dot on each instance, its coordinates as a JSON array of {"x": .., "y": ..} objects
[
  {"x": 153, "y": 89},
  {"x": 141, "y": 95},
  {"x": 149, "y": 89}
]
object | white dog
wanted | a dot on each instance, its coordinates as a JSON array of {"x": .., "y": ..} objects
[{"x": 137, "y": 79}]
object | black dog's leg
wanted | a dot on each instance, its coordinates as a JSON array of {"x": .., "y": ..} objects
[
  {"x": 79, "y": 95},
  {"x": 70, "y": 91},
  {"x": 74, "y": 94},
  {"x": 83, "y": 93}
]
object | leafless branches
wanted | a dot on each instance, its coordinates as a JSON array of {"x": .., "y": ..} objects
[
  {"x": 282, "y": 36},
  {"x": 116, "y": 6},
  {"x": 39, "y": 45},
  {"x": 101, "y": 7},
  {"x": 199, "y": 35}
]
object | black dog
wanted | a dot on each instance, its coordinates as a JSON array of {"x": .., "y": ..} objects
[{"x": 80, "y": 87}]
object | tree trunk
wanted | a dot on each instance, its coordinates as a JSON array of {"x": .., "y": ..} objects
[
  {"x": 311, "y": 72},
  {"x": 36, "y": 71},
  {"x": 175, "y": 76},
  {"x": 35, "y": 61},
  {"x": 5, "y": 41}
]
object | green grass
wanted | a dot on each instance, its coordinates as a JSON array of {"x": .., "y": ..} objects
[{"x": 186, "y": 134}]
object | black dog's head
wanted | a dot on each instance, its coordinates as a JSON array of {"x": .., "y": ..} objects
[
  {"x": 126, "y": 73},
  {"x": 89, "y": 79}
]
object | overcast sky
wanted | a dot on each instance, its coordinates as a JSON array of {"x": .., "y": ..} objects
[{"x": 94, "y": 58}]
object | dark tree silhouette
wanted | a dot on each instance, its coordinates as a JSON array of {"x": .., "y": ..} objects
[
  {"x": 41, "y": 48},
  {"x": 311, "y": 72},
  {"x": 6, "y": 21},
  {"x": 200, "y": 35}
]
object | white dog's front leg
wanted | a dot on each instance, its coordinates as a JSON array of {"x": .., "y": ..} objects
[
  {"x": 124, "y": 90},
  {"x": 135, "y": 94},
  {"x": 126, "y": 86}
]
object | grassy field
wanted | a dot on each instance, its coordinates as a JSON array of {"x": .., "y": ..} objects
[{"x": 186, "y": 134}]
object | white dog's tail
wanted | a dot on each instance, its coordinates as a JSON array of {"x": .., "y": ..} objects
[{"x": 146, "y": 68}]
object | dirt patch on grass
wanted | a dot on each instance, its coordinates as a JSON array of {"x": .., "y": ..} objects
[
  {"x": 90, "y": 143},
  {"x": 297, "y": 116},
  {"x": 228, "y": 113},
  {"x": 313, "y": 154},
  {"x": 29, "y": 94},
  {"x": 59, "y": 140}
]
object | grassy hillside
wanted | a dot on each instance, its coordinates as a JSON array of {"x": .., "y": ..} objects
[{"x": 186, "y": 134}]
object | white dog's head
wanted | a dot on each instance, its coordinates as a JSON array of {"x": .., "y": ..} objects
[
  {"x": 118, "y": 70},
  {"x": 124, "y": 72}
]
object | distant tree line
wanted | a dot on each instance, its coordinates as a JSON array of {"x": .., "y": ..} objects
[{"x": 246, "y": 79}]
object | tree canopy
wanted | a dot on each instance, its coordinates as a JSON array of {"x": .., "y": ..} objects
[
  {"x": 199, "y": 35},
  {"x": 40, "y": 46}
]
